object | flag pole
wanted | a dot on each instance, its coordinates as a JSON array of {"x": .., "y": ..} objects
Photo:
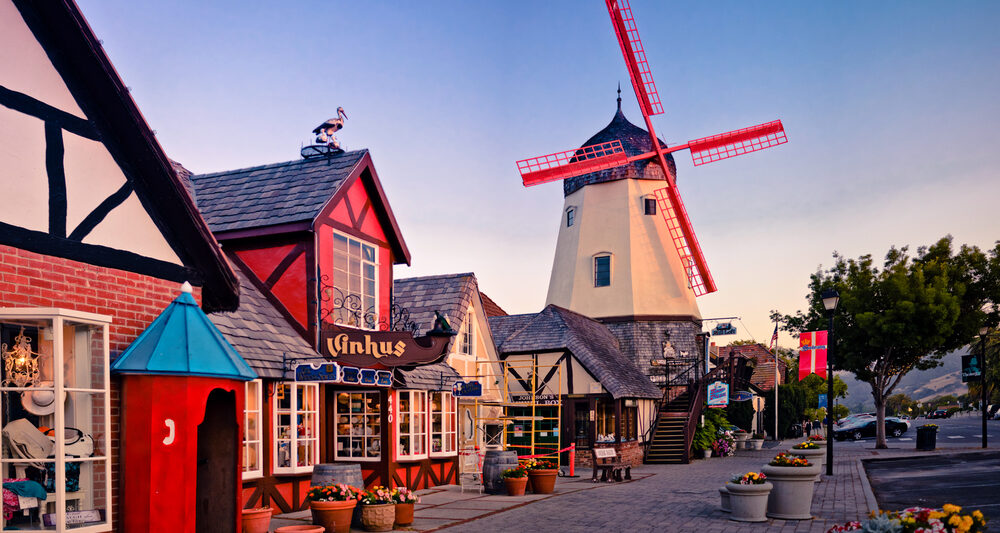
[{"x": 776, "y": 381}]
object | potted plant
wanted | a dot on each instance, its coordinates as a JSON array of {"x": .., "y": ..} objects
[
  {"x": 256, "y": 520},
  {"x": 404, "y": 498},
  {"x": 818, "y": 439},
  {"x": 792, "y": 478},
  {"x": 812, "y": 452},
  {"x": 724, "y": 446},
  {"x": 702, "y": 441},
  {"x": 542, "y": 475},
  {"x": 741, "y": 437},
  {"x": 516, "y": 479},
  {"x": 748, "y": 495},
  {"x": 755, "y": 441},
  {"x": 332, "y": 506},
  {"x": 949, "y": 518},
  {"x": 378, "y": 509}
]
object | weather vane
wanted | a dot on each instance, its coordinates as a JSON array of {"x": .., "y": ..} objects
[{"x": 324, "y": 132}]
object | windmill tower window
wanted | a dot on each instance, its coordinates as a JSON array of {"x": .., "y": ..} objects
[
  {"x": 602, "y": 271},
  {"x": 650, "y": 205},
  {"x": 570, "y": 217}
]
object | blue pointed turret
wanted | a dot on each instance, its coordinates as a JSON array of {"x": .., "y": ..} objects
[{"x": 183, "y": 342}]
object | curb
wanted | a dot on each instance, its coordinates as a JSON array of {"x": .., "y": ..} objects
[{"x": 866, "y": 487}]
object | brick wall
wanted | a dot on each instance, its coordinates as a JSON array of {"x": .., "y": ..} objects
[
  {"x": 28, "y": 279},
  {"x": 630, "y": 452}
]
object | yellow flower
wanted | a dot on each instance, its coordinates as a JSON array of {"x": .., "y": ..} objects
[
  {"x": 951, "y": 509},
  {"x": 955, "y": 521},
  {"x": 935, "y": 514},
  {"x": 977, "y": 515}
]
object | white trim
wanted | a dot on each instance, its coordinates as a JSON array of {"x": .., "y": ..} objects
[
  {"x": 449, "y": 433},
  {"x": 293, "y": 412},
  {"x": 413, "y": 416},
  {"x": 468, "y": 326},
  {"x": 375, "y": 263},
  {"x": 257, "y": 408},
  {"x": 349, "y": 437},
  {"x": 52, "y": 312}
]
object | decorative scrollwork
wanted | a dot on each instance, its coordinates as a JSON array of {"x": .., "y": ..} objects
[{"x": 338, "y": 307}]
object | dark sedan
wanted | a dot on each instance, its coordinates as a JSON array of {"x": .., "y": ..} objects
[{"x": 866, "y": 429}]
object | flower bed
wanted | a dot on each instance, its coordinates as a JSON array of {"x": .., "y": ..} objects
[
  {"x": 750, "y": 478},
  {"x": 784, "y": 459},
  {"x": 724, "y": 446},
  {"x": 816, "y": 437},
  {"x": 806, "y": 446},
  {"x": 919, "y": 520}
]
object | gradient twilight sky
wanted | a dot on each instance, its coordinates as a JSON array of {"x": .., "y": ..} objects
[{"x": 891, "y": 110}]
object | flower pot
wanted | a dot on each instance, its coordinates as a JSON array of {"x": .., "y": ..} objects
[
  {"x": 791, "y": 497},
  {"x": 335, "y": 517},
  {"x": 299, "y": 529},
  {"x": 724, "y": 505},
  {"x": 378, "y": 517},
  {"x": 516, "y": 485},
  {"x": 748, "y": 502},
  {"x": 404, "y": 514},
  {"x": 754, "y": 444},
  {"x": 256, "y": 520},
  {"x": 816, "y": 456},
  {"x": 705, "y": 454},
  {"x": 543, "y": 481}
]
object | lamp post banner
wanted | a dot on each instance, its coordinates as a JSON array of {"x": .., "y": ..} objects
[{"x": 812, "y": 353}]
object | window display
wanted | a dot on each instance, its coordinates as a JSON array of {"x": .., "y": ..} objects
[
  {"x": 359, "y": 426},
  {"x": 296, "y": 427},
  {"x": 443, "y": 427},
  {"x": 253, "y": 453},
  {"x": 55, "y": 416},
  {"x": 412, "y": 425}
]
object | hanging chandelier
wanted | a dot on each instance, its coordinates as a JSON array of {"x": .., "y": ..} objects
[{"x": 20, "y": 363}]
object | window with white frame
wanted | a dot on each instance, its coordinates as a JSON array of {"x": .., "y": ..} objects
[
  {"x": 355, "y": 282},
  {"x": 602, "y": 270},
  {"x": 411, "y": 425},
  {"x": 295, "y": 431},
  {"x": 570, "y": 217},
  {"x": 359, "y": 426},
  {"x": 443, "y": 424},
  {"x": 49, "y": 354},
  {"x": 253, "y": 445},
  {"x": 467, "y": 343}
]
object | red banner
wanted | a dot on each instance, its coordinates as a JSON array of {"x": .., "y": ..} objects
[{"x": 812, "y": 354}]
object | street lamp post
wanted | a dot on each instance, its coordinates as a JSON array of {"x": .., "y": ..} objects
[
  {"x": 830, "y": 300},
  {"x": 982, "y": 377}
]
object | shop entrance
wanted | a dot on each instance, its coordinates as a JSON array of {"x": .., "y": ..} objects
[{"x": 218, "y": 442}]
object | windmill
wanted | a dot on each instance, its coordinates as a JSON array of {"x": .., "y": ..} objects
[{"x": 609, "y": 155}]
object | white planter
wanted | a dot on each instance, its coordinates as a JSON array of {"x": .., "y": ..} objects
[
  {"x": 815, "y": 456},
  {"x": 748, "y": 502},
  {"x": 791, "y": 497},
  {"x": 705, "y": 454},
  {"x": 724, "y": 499},
  {"x": 754, "y": 444}
]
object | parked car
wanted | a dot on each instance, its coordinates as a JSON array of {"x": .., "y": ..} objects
[
  {"x": 853, "y": 419},
  {"x": 866, "y": 429},
  {"x": 900, "y": 419},
  {"x": 940, "y": 413}
]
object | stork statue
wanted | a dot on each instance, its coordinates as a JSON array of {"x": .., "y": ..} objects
[{"x": 324, "y": 132}]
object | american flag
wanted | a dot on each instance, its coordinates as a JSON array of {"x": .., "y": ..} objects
[{"x": 774, "y": 338}]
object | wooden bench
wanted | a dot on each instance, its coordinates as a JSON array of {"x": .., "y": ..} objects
[{"x": 610, "y": 464}]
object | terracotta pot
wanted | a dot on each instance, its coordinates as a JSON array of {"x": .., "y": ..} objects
[
  {"x": 748, "y": 502},
  {"x": 256, "y": 520},
  {"x": 516, "y": 485},
  {"x": 791, "y": 497},
  {"x": 378, "y": 517},
  {"x": 335, "y": 517},
  {"x": 404, "y": 514},
  {"x": 300, "y": 529},
  {"x": 543, "y": 481}
]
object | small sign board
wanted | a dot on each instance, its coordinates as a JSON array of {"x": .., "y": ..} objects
[
  {"x": 335, "y": 373},
  {"x": 718, "y": 394},
  {"x": 972, "y": 368},
  {"x": 541, "y": 399},
  {"x": 320, "y": 372},
  {"x": 822, "y": 401},
  {"x": 742, "y": 396},
  {"x": 467, "y": 389},
  {"x": 724, "y": 328},
  {"x": 75, "y": 518}
]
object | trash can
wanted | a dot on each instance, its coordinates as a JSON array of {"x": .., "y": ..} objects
[{"x": 926, "y": 438}]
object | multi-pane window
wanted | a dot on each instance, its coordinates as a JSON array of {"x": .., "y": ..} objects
[
  {"x": 253, "y": 446},
  {"x": 443, "y": 431},
  {"x": 570, "y": 217},
  {"x": 296, "y": 427},
  {"x": 355, "y": 281},
  {"x": 47, "y": 356},
  {"x": 412, "y": 424},
  {"x": 649, "y": 205},
  {"x": 468, "y": 334},
  {"x": 359, "y": 426},
  {"x": 602, "y": 271}
]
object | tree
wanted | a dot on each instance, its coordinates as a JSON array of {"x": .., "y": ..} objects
[
  {"x": 898, "y": 404},
  {"x": 791, "y": 409},
  {"x": 905, "y": 314}
]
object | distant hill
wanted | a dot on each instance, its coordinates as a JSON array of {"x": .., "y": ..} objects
[{"x": 921, "y": 385}]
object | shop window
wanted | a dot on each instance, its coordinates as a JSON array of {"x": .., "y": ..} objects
[
  {"x": 355, "y": 282},
  {"x": 649, "y": 206},
  {"x": 59, "y": 354},
  {"x": 443, "y": 430},
  {"x": 412, "y": 425},
  {"x": 468, "y": 334},
  {"x": 605, "y": 420},
  {"x": 602, "y": 271},
  {"x": 296, "y": 427},
  {"x": 359, "y": 426},
  {"x": 630, "y": 427},
  {"x": 253, "y": 446}
]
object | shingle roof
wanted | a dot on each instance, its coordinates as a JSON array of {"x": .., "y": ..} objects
[
  {"x": 449, "y": 294},
  {"x": 591, "y": 342},
  {"x": 439, "y": 376},
  {"x": 267, "y": 195},
  {"x": 490, "y": 307},
  {"x": 261, "y": 334}
]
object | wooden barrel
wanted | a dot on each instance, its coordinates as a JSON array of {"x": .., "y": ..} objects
[
  {"x": 346, "y": 473},
  {"x": 495, "y": 462}
]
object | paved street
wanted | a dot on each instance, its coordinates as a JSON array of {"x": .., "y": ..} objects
[
  {"x": 964, "y": 431},
  {"x": 968, "y": 479}
]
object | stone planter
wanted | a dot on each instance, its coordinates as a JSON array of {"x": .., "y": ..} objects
[
  {"x": 791, "y": 497},
  {"x": 335, "y": 517},
  {"x": 815, "y": 456},
  {"x": 748, "y": 502},
  {"x": 378, "y": 517},
  {"x": 404, "y": 514},
  {"x": 741, "y": 439},
  {"x": 543, "y": 481},
  {"x": 754, "y": 444},
  {"x": 516, "y": 485},
  {"x": 256, "y": 520},
  {"x": 724, "y": 500},
  {"x": 705, "y": 454}
]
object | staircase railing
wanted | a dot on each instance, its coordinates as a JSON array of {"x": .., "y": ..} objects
[
  {"x": 697, "y": 395},
  {"x": 680, "y": 373}
]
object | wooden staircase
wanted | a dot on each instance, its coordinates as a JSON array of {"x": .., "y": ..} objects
[{"x": 670, "y": 444}]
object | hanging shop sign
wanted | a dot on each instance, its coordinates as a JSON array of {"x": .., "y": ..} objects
[
  {"x": 363, "y": 348},
  {"x": 467, "y": 389},
  {"x": 820, "y": 401},
  {"x": 725, "y": 328},
  {"x": 718, "y": 394},
  {"x": 334, "y": 373},
  {"x": 972, "y": 370},
  {"x": 812, "y": 354},
  {"x": 742, "y": 396},
  {"x": 540, "y": 399}
]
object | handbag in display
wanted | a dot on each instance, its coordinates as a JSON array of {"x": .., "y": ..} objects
[{"x": 78, "y": 443}]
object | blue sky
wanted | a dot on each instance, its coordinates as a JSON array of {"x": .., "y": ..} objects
[{"x": 891, "y": 110}]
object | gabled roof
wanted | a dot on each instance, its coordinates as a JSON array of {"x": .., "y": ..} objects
[
  {"x": 449, "y": 294},
  {"x": 262, "y": 334},
  {"x": 268, "y": 195},
  {"x": 77, "y": 55},
  {"x": 183, "y": 342},
  {"x": 490, "y": 307},
  {"x": 591, "y": 342}
]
